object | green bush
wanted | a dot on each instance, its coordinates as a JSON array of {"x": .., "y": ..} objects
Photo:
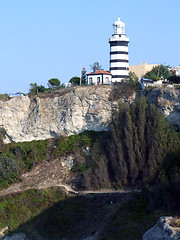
[
  {"x": 4, "y": 96},
  {"x": 9, "y": 170}
]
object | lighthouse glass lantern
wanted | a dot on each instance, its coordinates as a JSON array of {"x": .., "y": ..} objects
[{"x": 119, "y": 59}]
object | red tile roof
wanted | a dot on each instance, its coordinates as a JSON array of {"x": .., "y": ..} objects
[{"x": 99, "y": 72}]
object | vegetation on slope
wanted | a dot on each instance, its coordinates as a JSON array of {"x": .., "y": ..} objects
[
  {"x": 140, "y": 150},
  {"x": 16, "y": 158},
  {"x": 51, "y": 214},
  {"x": 137, "y": 151}
]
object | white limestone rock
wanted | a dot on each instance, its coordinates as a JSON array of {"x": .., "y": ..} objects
[
  {"x": 18, "y": 236},
  {"x": 162, "y": 231},
  {"x": 168, "y": 101},
  {"x": 39, "y": 118}
]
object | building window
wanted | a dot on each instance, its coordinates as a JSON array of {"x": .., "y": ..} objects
[{"x": 90, "y": 80}]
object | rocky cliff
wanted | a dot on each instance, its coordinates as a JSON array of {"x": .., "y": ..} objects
[
  {"x": 28, "y": 118},
  {"x": 168, "y": 101},
  {"x": 72, "y": 111},
  {"x": 163, "y": 230}
]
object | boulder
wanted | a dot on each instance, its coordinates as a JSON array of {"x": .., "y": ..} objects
[{"x": 163, "y": 230}]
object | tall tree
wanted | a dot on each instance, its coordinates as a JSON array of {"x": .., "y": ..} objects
[
  {"x": 140, "y": 140},
  {"x": 96, "y": 66}
]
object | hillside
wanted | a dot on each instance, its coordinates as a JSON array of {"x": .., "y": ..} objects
[
  {"x": 139, "y": 150},
  {"x": 74, "y": 110}
]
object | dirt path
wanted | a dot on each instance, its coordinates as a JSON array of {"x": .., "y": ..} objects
[
  {"x": 50, "y": 174},
  {"x": 44, "y": 175}
]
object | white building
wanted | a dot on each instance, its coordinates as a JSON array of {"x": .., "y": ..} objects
[
  {"x": 145, "y": 82},
  {"x": 99, "y": 77},
  {"x": 119, "y": 59}
]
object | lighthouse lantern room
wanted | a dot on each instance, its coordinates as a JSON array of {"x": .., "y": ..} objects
[{"x": 119, "y": 60}]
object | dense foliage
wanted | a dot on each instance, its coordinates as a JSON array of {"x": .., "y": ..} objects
[
  {"x": 158, "y": 72},
  {"x": 34, "y": 88},
  {"x": 75, "y": 81},
  {"x": 54, "y": 82},
  {"x": 132, "y": 78},
  {"x": 135, "y": 151},
  {"x": 174, "y": 79},
  {"x": 27, "y": 154},
  {"x": 140, "y": 142}
]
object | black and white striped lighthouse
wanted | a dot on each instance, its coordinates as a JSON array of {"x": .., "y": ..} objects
[{"x": 119, "y": 60}]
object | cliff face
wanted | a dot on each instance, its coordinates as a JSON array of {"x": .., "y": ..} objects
[
  {"x": 33, "y": 118},
  {"x": 168, "y": 101},
  {"x": 73, "y": 111}
]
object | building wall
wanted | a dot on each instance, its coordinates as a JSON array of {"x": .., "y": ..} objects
[
  {"x": 178, "y": 71},
  {"x": 99, "y": 79},
  {"x": 142, "y": 69}
]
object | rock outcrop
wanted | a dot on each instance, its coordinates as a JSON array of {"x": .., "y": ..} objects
[
  {"x": 168, "y": 101},
  {"x": 18, "y": 236},
  {"x": 163, "y": 230},
  {"x": 67, "y": 112},
  {"x": 45, "y": 116}
]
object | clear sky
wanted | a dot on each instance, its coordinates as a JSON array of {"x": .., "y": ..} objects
[{"x": 43, "y": 39}]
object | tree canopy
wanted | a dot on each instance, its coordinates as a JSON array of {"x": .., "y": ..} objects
[
  {"x": 174, "y": 79},
  {"x": 34, "y": 88},
  {"x": 96, "y": 66},
  {"x": 158, "y": 72},
  {"x": 132, "y": 78},
  {"x": 54, "y": 82},
  {"x": 75, "y": 80}
]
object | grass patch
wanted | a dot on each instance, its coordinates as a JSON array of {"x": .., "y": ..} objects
[
  {"x": 50, "y": 214},
  {"x": 131, "y": 221},
  {"x": 17, "y": 209}
]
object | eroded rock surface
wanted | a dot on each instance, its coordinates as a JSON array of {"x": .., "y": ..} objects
[
  {"x": 163, "y": 231},
  {"x": 73, "y": 111},
  {"x": 18, "y": 236},
  {"x": 168, "y": 101},
  {"x": 38, "y": 118}
]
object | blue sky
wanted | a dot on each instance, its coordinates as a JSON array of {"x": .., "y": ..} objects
[{"x": 43, "y": 39}]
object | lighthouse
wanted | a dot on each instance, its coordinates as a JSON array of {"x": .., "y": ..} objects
[{"x": 119, "y": 60}]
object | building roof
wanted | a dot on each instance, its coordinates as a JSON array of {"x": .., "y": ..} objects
[{"x": 99, "y": 72}]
